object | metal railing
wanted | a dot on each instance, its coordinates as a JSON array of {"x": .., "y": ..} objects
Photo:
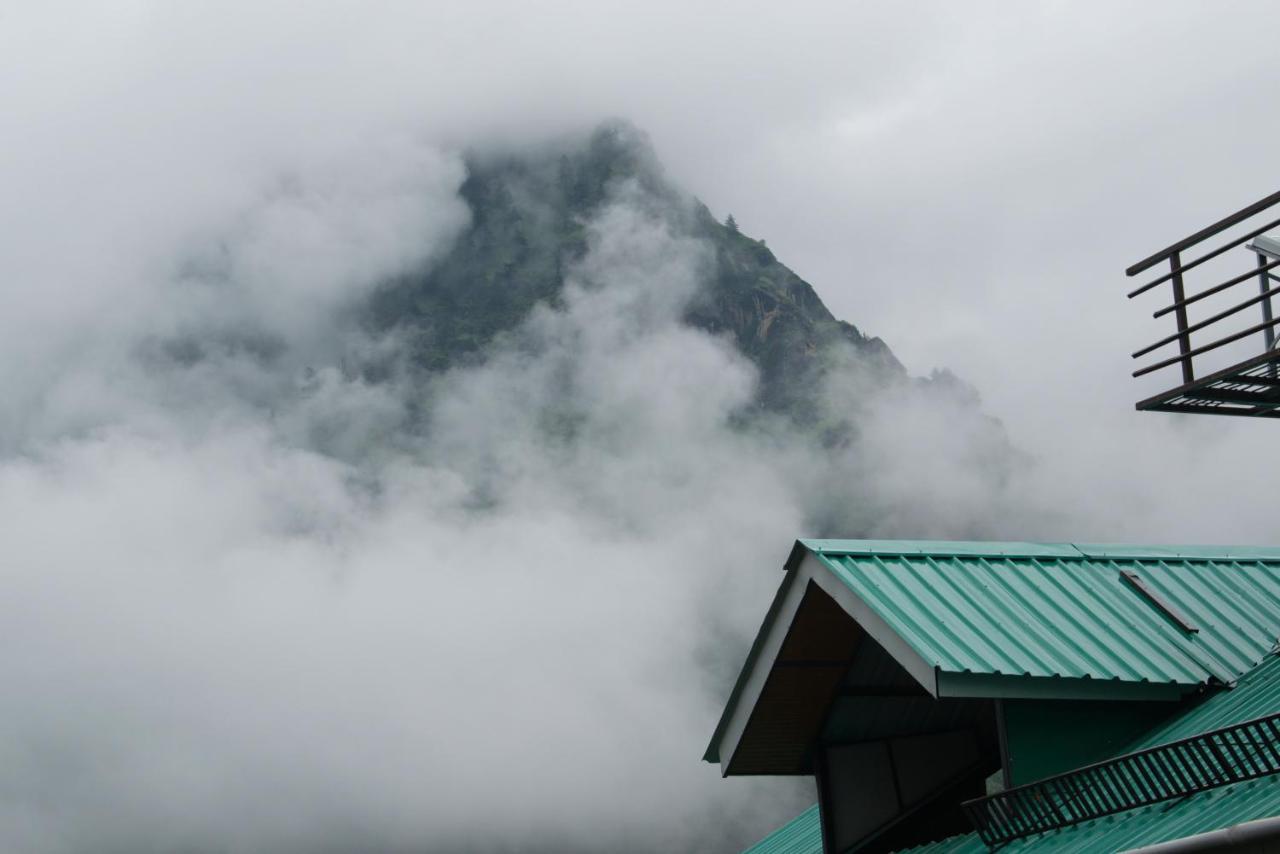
[
  {"x": 1243, "y": 751},
  {"x": 1184, "y": 329}
]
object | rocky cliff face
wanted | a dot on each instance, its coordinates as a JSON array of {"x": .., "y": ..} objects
[{"x": 529, "y": 216}]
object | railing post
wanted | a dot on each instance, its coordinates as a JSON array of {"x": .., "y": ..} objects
[
  {"x": 1269, "y": 334},
  {"x": 1263, "y": 287},
  {"x": 1184, "y": 338}
]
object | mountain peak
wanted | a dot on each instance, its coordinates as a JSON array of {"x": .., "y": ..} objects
[{"x": 530, "y": 210}]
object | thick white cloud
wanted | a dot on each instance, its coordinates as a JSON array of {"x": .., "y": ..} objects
[{"x": 244, "y": 610}]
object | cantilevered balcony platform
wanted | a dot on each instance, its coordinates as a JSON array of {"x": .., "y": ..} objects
[
  {"x": 1221, "y": 350},
  {"x": 1249, "y": 388}
]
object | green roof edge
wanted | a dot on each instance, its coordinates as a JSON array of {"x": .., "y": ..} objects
[{"x": 994, "y": 549}]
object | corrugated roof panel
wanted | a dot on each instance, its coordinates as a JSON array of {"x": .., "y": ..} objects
[
  {"x": 1064, "y": 610},
  {"x": 1199, "y": 813},
  {"x": 801, "y": 835},
  {"x": 1030, "y": 609},
  {"x": 1256, "y": 694}
]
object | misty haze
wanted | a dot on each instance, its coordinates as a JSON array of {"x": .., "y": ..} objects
[{"x": 406, "y": 409}]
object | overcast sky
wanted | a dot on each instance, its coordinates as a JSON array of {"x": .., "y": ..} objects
[
  {"x": 970, "y": 182},
  {"x": 244, "y": 611},
  {"x": 967, "y": 182}
]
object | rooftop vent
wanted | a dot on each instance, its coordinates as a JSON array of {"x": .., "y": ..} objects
[{"x": 1136, "y": 582}]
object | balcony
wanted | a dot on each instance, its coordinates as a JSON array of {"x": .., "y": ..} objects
[{"x": 1230, "y": 366}]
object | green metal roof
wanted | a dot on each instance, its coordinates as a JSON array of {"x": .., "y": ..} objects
[
  {"x": 1211, "y": 810},
  {"x": 1257, "y": 693},
  {"x": 1063, "y": 610},
  {"x": 1199, "y": 813},
  {"x": 1049, "y": 620},
  {"x": 801, "y": 835},
  {"x": 1064, "y": 613}
]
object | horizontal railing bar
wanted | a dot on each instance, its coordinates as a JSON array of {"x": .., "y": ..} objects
[
  {"x": 1224, "y": 223},
  {"x": 1196, "y": 327},
  {"x": 1206, "y": 257},
  {"x": 1243, "y": 277},
  {"x": 1266, "y": 324}
]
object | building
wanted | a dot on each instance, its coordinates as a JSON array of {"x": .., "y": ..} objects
[
  {"x": 1029, "y": 697},
  {"x": 967, "y": 697}
]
